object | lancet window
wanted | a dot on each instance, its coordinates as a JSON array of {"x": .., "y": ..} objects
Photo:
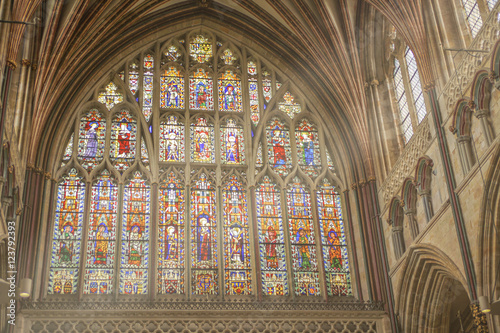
[{"x": 175, "y": 182}]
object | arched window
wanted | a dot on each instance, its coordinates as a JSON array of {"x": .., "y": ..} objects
[
  {"x": 408, "y": 92},
  {"x": 190, "y": 192}
]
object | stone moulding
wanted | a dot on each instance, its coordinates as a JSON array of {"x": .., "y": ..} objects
[
  {"x": 405, "y": 165},
  {"x": 233, "y": 325},
  {"x": 471, "y": 62},
  {"x": 203, "y": 305}
]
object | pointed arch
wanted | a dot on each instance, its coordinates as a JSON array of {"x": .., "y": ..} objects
[
  {"x": 409, "y": 199},
  {"x": 396, "y": 218},
  {"x": 423, "y": 176}
]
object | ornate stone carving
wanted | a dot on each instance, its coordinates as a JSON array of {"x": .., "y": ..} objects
[
  {"x": 406, "y": 163},
  {"x": 472, "y": 61},
  {"x": 192, "y": 325}
]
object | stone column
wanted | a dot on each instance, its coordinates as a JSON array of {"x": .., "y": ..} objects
[
  {"x": 426, "y": 200},
  {"x": 410, "y": 215},
  {"x": 482, "y": 115},
  {"x": 465, "y": 151},
  {"x": 398, "y": 241}
]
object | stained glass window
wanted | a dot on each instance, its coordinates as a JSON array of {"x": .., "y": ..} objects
[
  {"x": 172, "y": 53},
  {"x": 473, "y": 16},
  {"x": 232, "y": 144},
  {"x": 144, "y": 154},
  {"x": 172, "y": 89},
  {"x": 68, "y": 152},
  {"x": 278, "y": 146},
  {"x": 271, "y": 239},
  {"x": 135, "y": 236},
  {"x": 172, "y": 140},
  {"x": 110, "y": 96},
  {"x": 201, "y": 91},
  {"x": 66, "y": 244},
  {"x": 101, "y": 245},
  {"x": 202, "y": 237},
  {"x": 302, "y": 239},
  {"x": 253, "y": 92},
  {"x": 306, "y": 137},
  {"x": 123, "y": 140},
  {"x": 259, "y": 163},
  {"x": 147, "y": 88},
  {"x": 266, "y": 86},
  {"x": 200, "y": 49},
  {"x": 237, "y": 275},
  {"x": 230, "y": 92},
  {"x": 333, "y": 241},
  {"x": 288, "y": 106},
  {"x": 228, "y": 57},
  {"x": 202, "y": 141},
  {"x": 204, "y": 259},
  {"x": 171, "y": 232},
  {"x": 91, "y": 139},
  {"x": 133, "y": 78}
]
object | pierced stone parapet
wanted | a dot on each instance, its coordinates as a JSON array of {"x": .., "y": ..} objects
[
  {"x": 406, "y": 163},
  {"x": 472, "y": 61}
]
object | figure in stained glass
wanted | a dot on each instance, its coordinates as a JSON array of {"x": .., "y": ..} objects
[
  {"x": 91, "y": 140},
  {"x": 135, "y": 246},
  {"x": 271, "y": 240},
  {"x": 172, "y": 94},
  {"x": 201, "y": 96},
  {"x": 201, "y": 90},
  {"x": 101, "y": 242},
  {"x": 335, "y": 252},
  {"x": 237, "y": 254},
  {"x": 66, "y": 239},
  {"x": 202, "y": 141},
  {"x": 308, "y": 146},
  {"x": 278, "y": 142},
  {"x": 204, "y": 238},
  {"x": 171, "y": 140},
  {"x": 124, "y": 139},
  {"x": 303, "y": 239},
  {"x": 171, "y": 240}
]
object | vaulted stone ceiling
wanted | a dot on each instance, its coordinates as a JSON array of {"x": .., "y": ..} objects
[{"x": 324, "y": 42}]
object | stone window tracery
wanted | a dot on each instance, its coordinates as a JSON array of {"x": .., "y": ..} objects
[{"x": 186, "y": 174}]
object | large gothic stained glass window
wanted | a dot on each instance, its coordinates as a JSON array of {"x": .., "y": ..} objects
[{"x": 179, "y": 189}]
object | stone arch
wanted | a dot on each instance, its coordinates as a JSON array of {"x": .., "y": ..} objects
[
  {"x": 481, "y": 95},
  {"x": 489, "y": 236},
  {"x": 396, "y": 219},
  {"x": 423, "y": 175},
  {"x": 409, "y": 200},
  {"x": 461, "y": 127},
  {"x": 430, "y": 289}
]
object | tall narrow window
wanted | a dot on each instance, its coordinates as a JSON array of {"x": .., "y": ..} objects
[
  {"x": 171, "y": 140},
  {"x": 237, "y": 275},
  {"x": 172, "y": 89},
  {"x": 333, "y": 241},
  {"x": 253, "y": 92},
  {"x": 66, "y": 245},
  {"x": 230, "y": 92},
  {"x": 306, "y": 137},
  {"x": 202, "y": 141},
  {"x": 123, "y": 140},
  {"x": 135, "y": 236},
  {"x": 147, "y": 88},
  {"x": 232, "y": 145},
  {"x": 204, "y": 258},
  {"x": 101, "y": 246},
  {"x": 91, "y": 139},
  {"x": 302, "y": 240},
  {"x": 416, "y": 85},
  {"x": 271, "y": 239},
  {"x": 404, "y": 112},
  {"x": 278, "y": 146},
  {"x": 171, "y": 236}
]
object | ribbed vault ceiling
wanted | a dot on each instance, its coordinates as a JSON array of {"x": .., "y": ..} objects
[{"x": 319, "y": 40}]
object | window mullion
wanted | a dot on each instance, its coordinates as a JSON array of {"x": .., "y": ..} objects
[
  {"x": 153, "y": 237},
  {"x": 319, "y": 244},
  {"x": 85, "y": 233},
  {"x": 288, "y": 247},
  {"x": 118, "y": 236},
  {"x": 254, "y": 243}
]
